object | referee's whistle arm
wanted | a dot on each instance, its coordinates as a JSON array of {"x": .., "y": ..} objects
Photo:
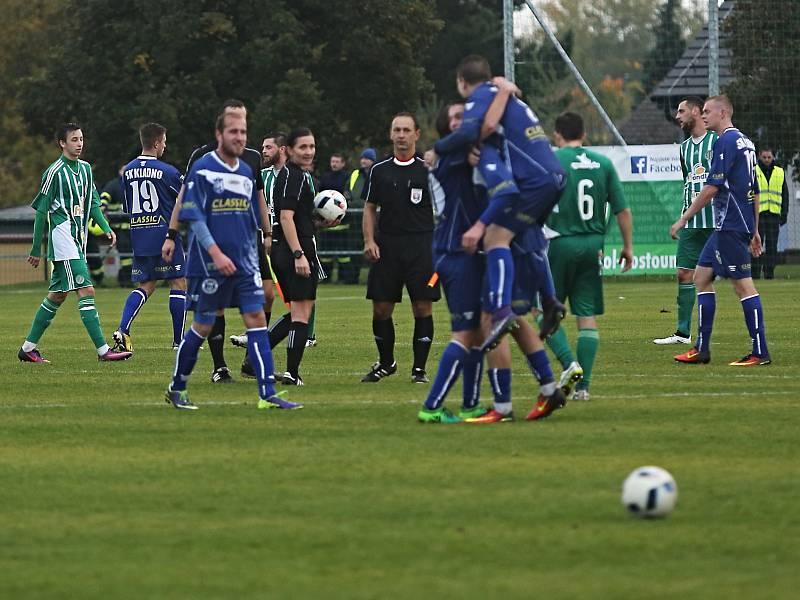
[{"x": 372, "y": 252}]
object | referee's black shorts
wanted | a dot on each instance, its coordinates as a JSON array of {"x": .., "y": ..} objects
[
  {"x": 263, "y": 261},
  {"x": 406, "y": 260},
  {"x": 293, "y": 286}
]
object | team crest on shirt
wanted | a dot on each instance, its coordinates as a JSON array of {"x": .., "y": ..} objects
[
  {"x": 416, "y": 195},
  {"x": 248, "y": 187},
  {"x": 210, "y": 286},
  {"x": 219, "y": 185}
]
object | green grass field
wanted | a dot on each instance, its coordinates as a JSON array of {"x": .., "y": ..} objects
[{"x": 107, "y": 492}]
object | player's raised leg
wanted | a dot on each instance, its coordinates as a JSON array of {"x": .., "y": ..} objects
[{"x": 550, "y": 395}]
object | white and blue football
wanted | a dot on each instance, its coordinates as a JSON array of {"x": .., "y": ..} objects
[
  {"x": 649, "y": 492},
  {"x": 330, "y": 205}
]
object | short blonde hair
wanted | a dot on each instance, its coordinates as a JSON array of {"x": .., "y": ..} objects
[{"x": 723, "y": 101}]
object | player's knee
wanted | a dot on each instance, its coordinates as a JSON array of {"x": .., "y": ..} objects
[
  {"x": 422, "y": 309},
  {"x": 301, "y": 310},
  {"x": 382, "y": 310},
  {"x": 177, "y": 284},
  {"x": 202, "y": 329},
  {"x": 685, "y": 275},
  {"x": 255, "y": 318},
  {"x": 57, "y": 297}
]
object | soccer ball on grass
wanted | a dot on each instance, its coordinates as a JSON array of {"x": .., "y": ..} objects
[
  {"x": 649, "y": 492},
  {"x": 330, "y": 205}
]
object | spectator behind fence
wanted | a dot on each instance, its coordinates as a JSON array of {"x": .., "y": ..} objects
[
  {"x": 773, "y": 211},
  {"x": 358, "y": 178},
  {"x": 336, "y": 177},
  {"x": 349, "y": 239}
]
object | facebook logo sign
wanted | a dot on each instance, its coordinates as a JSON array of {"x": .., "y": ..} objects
[{"x": 638, "y": 165}]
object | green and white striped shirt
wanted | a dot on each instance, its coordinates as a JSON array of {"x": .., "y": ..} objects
[
  {"x": 67, "y": 194},
  {"x": 696, "y": 165}
]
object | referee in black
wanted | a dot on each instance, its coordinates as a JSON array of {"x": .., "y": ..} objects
[
  {"x": 251, "y": 156},
  {"x": 401, "y": 253},
  {"x": 295, "y": 255}
]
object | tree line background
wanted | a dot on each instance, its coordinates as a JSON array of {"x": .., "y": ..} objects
[{"x": 341, "y": 68}]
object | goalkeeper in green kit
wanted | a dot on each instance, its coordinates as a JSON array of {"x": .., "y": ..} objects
[
  {"x": 66, "y": 200},
  {"x": 577, "y": 227}
]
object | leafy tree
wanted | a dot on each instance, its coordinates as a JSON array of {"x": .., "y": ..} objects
[
  {"x": 24, "y": 155},
  {"x": 765, "y": 59},
  {"x": 293, "y": 62},
  {"x": 545, "y": 77},
  {"x": 470, "y": 27},
  {"x": 669, "y": 45}
]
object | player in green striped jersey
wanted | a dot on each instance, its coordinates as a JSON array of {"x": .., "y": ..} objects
[
  {"x": 578, "y": 226},
  {"x": 66, "y": 200},
  {"x": 695, "y": 153}
]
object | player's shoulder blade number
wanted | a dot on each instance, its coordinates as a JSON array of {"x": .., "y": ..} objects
[
  {"x": 144, "y": 197},
  {"x": 585, "y": 200}
]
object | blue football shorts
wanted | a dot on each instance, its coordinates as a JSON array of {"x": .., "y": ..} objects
[
  {"x": 461, "y": 276},
  {"x": 728, "y": 254},
  {"x": 154, "y": 268},
  {"x": 207, "y": 295}
]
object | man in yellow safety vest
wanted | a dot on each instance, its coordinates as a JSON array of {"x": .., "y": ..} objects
[{"x": 774, "y": 207}]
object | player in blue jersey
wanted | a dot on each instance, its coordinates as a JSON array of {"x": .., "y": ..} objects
[
  {"x": 457, "y": 204},
  {"x": 533, "y": 282},
  {"x": 522, "y": 174},
  {"x": 150, "y": 188},
  {"x": 223, "y": 265},
  {"x": 252, "y": 157},
  {"x": 733, "y": 187}
]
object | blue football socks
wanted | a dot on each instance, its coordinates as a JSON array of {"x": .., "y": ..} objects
[
  {"x": 500, "y": 272},
  {"x": 471, "y": 374},
  {"x": 754, "y": 317},
  {"x": 450, "y": 365},
  {"x": 177, "y": 308},
  {"x": 706, "y": 307},
  {"x": 133, "y": 305},
  {"x": 260, "y": 354},
  {"x": 186, "y": 359}
]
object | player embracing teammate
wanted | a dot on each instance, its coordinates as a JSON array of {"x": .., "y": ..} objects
[{"x": 523, "y": 180}]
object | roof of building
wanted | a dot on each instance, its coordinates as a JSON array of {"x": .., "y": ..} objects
[
  {"x": 689, "y": 76},
  {"x": 651, "y": 122},
  {"x": 648, "y": 124}
]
